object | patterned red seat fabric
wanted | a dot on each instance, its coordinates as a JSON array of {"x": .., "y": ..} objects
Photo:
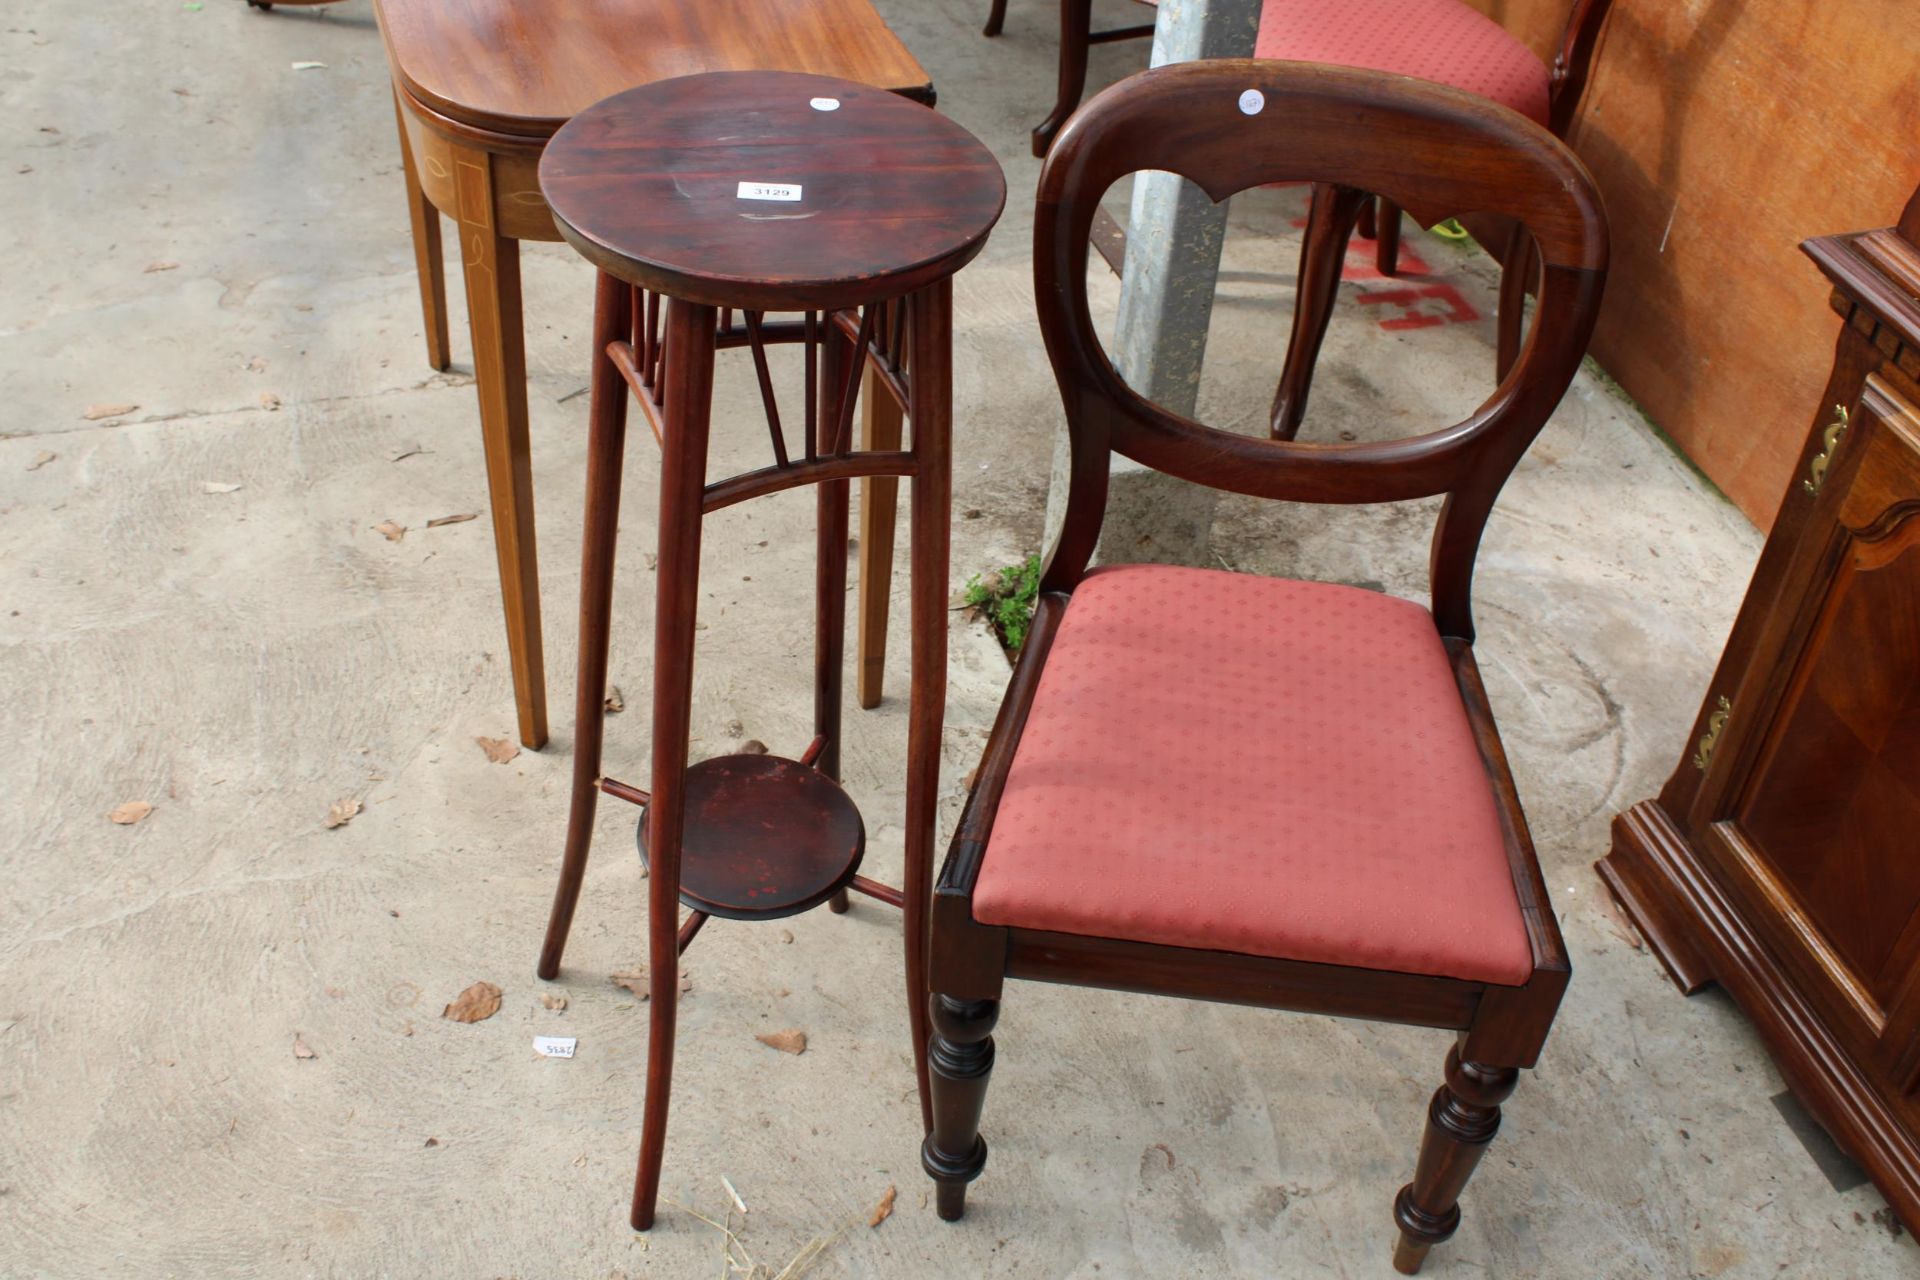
[
  {"x": 1256, "y": 765},
  {"x": 1439, "y": 40}
]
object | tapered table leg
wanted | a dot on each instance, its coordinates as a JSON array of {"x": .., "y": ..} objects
[
  {"x": 879, "y": 503},
  {"x": 428, "y": 262},
  {"x": 492, "y": 265}
]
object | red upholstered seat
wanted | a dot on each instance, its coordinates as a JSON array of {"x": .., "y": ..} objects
[
  {"x": 1440, "y": 40},
  {"x": 1254, "y": 765}
]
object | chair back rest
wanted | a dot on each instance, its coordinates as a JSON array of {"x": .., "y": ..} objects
[{"x": 1436, "y": 152}]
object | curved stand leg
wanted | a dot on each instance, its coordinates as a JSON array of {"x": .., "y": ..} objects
[
  {"x": 879, "y": 499},
  {"x": 606, "y": 441},
  {"x": 683, "y": 466},
  {"x": 1464, "y": 1116},
  {"x": 1516, "y": 275},
  {"x": 830, "y": 569},
  {"x": 428, "y": 261},
  {"x": 1076, "y": 26},
  {"x": 995, "y": 17},
  {"x": 930, "y": 406},
  {"x": 1323, "y": 252},
  {"x": 962, "y": 1056},
  {"x": 1386, "y": 245}
]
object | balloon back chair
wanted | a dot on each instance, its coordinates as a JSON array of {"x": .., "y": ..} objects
[{"x": 1270, "y": 792}]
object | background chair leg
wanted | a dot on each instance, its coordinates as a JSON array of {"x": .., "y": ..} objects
[
  {"x": 961, "y": 1056},
  {"x": 1464, "y": 1116},
  {"x": 606, "y": 441},
  {"x": 1516, "y": 274},
  {"x": 1323, "y": 252},
  {"x": 1386, "y": 244},
  {"x": 995, "y": 17},
  {"x": 1076, "y": 26},
  {"x": 879, "y": 505}
]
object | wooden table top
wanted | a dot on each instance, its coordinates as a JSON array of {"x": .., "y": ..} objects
[
  {"x": 526, "y": 67},
  {"x": 771, "y": 190}
]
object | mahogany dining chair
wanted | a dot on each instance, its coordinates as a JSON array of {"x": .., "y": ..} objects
[
  {"x": 1322, "y": 818},
  {"x": 1447, "y": 41}
]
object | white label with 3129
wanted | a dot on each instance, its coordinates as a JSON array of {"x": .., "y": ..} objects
[{"x": 768, "y": 191}]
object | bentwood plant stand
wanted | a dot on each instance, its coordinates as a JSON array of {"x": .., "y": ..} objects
[
  {"x": 480, "y": 86},
  {"x": 708, "y": 202}
]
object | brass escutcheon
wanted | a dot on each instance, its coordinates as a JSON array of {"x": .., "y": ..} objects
[{"x": 1829, "y": 441}]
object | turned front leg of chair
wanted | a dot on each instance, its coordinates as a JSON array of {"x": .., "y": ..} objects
[
  {"x": 1464, "y": 1116},
  {"x": 1323, "y": 253},
  {"x": 961, "y": 1058},
  {"x": 1076, "y": 27}
]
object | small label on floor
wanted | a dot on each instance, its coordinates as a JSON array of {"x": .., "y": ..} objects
[
  {"x": 554, "y": 1046},
  {"x": 769, "y": 191}
]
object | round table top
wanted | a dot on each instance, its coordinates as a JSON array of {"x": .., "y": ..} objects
[
  {"x": 772, "y": 191},
  {"x": 514, "y": 67}
]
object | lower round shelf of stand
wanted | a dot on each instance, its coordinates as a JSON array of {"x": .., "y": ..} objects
[{"x": 765, "y": 837}]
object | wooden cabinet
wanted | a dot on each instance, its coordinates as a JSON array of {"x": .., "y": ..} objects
[{"x": 1782, "y": 859}]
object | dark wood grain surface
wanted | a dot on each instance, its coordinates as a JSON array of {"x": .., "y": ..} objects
[{"x": 891, "y": 194}]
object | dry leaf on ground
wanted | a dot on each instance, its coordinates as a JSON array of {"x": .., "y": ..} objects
[
  {"x": 614, "y": 701},
  {"x": 95, "y": 412},
  {"x": 401, "y": 455},
  {"x": 258, "y": 364},
  {"x": 554, "y": 1002},
  {"x": 476, "y": 1004},
  {"x": 269, "y": 401},
  {"x": 159, "y": 264},
  {"x": 634, "y": 980},
  {"x": 461, "y": 518},
  {"x": 499, "y": 750},
  {"x": 793, "y": 1040},
  {"x": 300, "y": 1049},
  {"x": 753, "y": 747},
  {"x": 341, "y": 812},
  {"x": 390, "y": 530},
  {"x": 41, "y": 459},
  {"x": 129, "y": 813},
  {"x": 218, "y": 486},
  {"x": 883, "y": 1210}
]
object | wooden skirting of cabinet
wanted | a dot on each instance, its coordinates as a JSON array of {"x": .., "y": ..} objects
[{"x": 1782, "y": 858}]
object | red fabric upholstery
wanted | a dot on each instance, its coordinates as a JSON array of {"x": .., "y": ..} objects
[
  {"x": 1254, "y": 765},
  {"x": 1442, "y": 40}
]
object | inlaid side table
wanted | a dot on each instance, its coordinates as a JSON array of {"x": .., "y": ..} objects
[
  {"x": 480, "y": 86},
  {"x": 708, "y": 203}
]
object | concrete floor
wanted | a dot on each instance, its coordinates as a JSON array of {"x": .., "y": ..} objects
[{"x": 242, "y": 658}]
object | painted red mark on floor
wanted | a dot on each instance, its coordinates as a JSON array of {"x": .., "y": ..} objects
[{"x": 1421, "y": 308}]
